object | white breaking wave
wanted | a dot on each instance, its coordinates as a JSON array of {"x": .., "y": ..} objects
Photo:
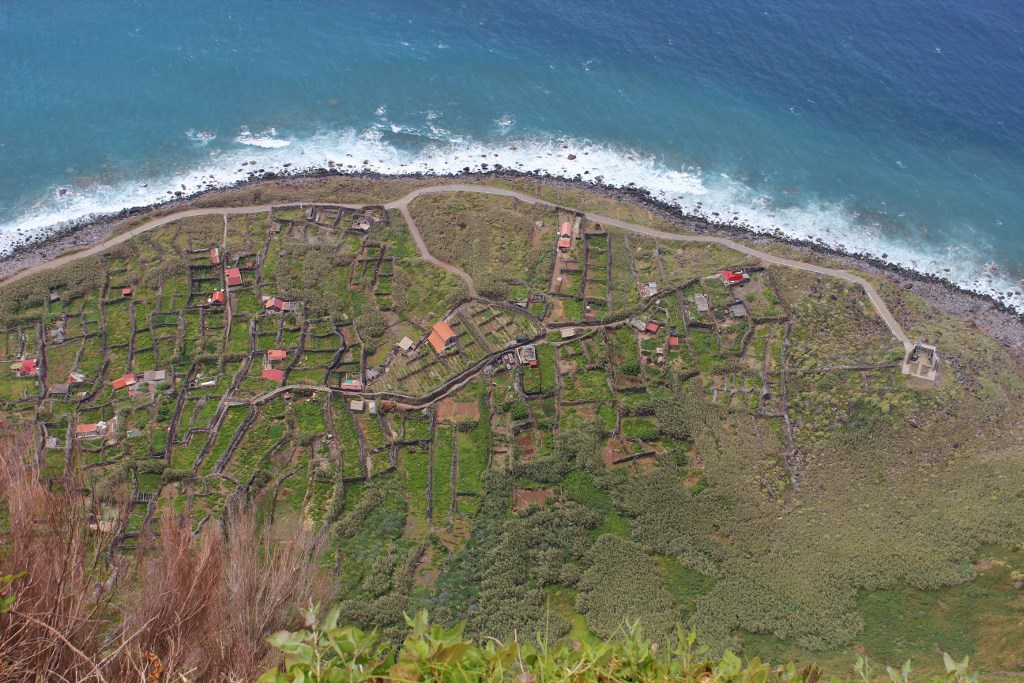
[
  {"x": 202, "y": 137},
  {"x": 267, "y": 139},
  {"x": 716, "y": 196}
]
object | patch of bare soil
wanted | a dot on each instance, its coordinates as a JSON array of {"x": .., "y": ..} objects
[
  {"x": 426, "y": 574},
  {"x": 565, "y": 367},
  {"x": 524, "y": 498},
  {"x": 455, "y": 537},
  {"x": 537, "y": 236},
  {"x": 450, "y": 410},
  {"x": 557, "y": 310},
  {"x": 526, "y": 447},
  {"x": 615, "y": 450},
  {"x": 586, "y": 412}
]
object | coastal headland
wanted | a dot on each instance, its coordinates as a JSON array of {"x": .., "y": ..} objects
[{"x": 991, "y": 314}]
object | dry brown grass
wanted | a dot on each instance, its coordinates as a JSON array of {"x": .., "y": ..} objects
[
  {"x": 185, "y": 608},
  {"x": 62, "y": 598},
  {"x": 205, "y": 606}
]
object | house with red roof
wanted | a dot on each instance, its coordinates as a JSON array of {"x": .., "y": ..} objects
[
  {"x": 91, "y": 430},
  {"x": 673, "y": 342},
  {"x": 277, "y": 354},
  {"x": 28, "y": 367},
  {"x": 125, "y": 380},
  {"x": 126, "y": 292},
  {"x": 652, "y": 328},
  {"x": 351, "y": 385},
  {"x": 233, "y": 276},
  {"x": 273, "y": 374},
  {"x": 275, "y": 303},
  {"x": 565, "y": 237},
  {"x": 734, "y": 277},
  {"x": 442, "y": 337},
  {"x": 215, "y": 256},
  {"x": 218, "y": 297}
]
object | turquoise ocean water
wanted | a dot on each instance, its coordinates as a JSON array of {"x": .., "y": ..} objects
[{"x": 889, "y": 128}]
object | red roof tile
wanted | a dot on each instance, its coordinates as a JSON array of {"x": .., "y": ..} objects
[
  {"x": 441, "y": 336},
  {"x": 273, "y": 374},
  {"x": 234, "y": 277}
]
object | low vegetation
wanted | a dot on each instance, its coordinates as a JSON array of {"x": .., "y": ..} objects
[{"x": 763, "y": 474}]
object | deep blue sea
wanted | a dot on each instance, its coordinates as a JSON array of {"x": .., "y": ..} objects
[{"x": 894, "y": 128}]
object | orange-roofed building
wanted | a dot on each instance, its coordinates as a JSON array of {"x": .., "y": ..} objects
[
  {"x": 125, "y": 380},
  {"x": 274, "y": 302},
  {"x": 90, "y": 430},
  {"x": 277, "y": 354},
  {"x": 215, "y": 256},
  {"x": 126, "y": 291},
  {"x": 442, "y": 337},
  {"x": 565, "y": 237},
  {"x": 273, "y": 374},
  {"x": 652, "y": 328},
  {"x": 218, "y": 297},
  {"x": 234, "y": 277}
]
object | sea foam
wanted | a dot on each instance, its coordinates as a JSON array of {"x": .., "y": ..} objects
[
  {"x": 695, "y": 191},
  {"x": 267, "y": 139}
]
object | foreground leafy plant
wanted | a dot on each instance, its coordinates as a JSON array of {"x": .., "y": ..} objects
[{"x": 326, "y": 652}]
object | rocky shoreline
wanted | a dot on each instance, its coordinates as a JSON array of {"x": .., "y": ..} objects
[{"x": 988, "y": 313}]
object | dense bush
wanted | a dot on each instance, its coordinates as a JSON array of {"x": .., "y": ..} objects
[
  {"x": 622, "y": 583},
  {"x": 352, "y": 521},
  {"x": 372, "y": 324}
]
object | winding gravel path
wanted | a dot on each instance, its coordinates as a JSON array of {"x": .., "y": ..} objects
[{"x": 402, "y": 205}]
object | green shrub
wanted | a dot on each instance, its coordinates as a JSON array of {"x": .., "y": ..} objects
[{"x": 372, "y": 324}]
